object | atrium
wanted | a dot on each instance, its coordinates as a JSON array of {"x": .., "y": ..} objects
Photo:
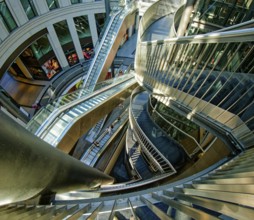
[{"x": 126, "y": 109}]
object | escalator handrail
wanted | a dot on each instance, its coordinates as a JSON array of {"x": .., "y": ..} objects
[{"x": 63, "y": 108}]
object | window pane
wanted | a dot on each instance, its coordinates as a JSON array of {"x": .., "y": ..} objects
[
  {"x": 64, "y": 36},
  {"x": 84, "y": 34},
  {"x": 75, "y": 1},
  {"x": 29, "y": 8},
  {"x": 52, "y": 4},
  {"x": 6, "y": 17}
]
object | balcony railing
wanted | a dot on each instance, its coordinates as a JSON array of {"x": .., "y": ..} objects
[
  {"x": 158, "y": 161},
  {"x": 208, "y": 74}
]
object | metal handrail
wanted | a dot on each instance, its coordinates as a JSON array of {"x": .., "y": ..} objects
[
  {"x": 86, "y": 154},
  {"x": 181, "y": 131},
  {"x": 130, "y": 82},
  {"x": 100, "y": 46},
  {"x": 143, "y": 136},
  {"x": 181, "y": 69},
  {"x": 243, "y": 35},
  {"x": 61, "y": 109},
  {"x": 128, "y": 9}
]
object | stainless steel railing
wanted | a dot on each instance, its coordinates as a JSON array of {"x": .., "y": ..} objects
[
  {"x": 156, "y": 158},
  {"x": 195, "y": 146},
  {"x": 196, "y": 71}
]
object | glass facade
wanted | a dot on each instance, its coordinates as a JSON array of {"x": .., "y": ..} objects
[
  {"x": 214, "y": 15},
  {"x": 64, "y": 36},
  {"x": 52, "y": 4},
  {"x": 6, "y": 17},
  {"x": 29, "y": 8},
  {"x": 84, "y": 34}
]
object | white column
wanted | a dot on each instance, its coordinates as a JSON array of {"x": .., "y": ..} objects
[
  {"x": 41, "y": 6},
  {"x": 17, "y": 11},
  {"x": 4, "y": 32},
  {"x": 75, "y": 38},
  {"x": 23, "y": 68},
  {"x": 64, "y": 3},
  {"x": 93, "y": 27},
  {"x": 54, "y": 42}
]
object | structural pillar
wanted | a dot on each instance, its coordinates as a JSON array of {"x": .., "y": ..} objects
[
  {"x": 93, "y": 27},
  {"x": 75, "y": 39},
  {"x": 17, "y": 11},
  {"x": 54, "y": 42},
  {"x": 29, "y": 166},
  {"x": 23, "y": 68},
  {"x": 186, "y": 16},
  {"x": 64, "y": 3},
  {"x": 41, "y": 7},
  {"x": 4, "y": 32}
]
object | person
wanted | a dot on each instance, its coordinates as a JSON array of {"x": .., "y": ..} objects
[
  {"x": 121, "y": 106},
  {"x": 119, "y": 118},
  {"x": 36, "y": 106},
  {"x": 51, "y": 93},
  {"x": 120, "y": 72},
  {"x": 96, "y": 143},
  {"x": 110, "y": 129}
]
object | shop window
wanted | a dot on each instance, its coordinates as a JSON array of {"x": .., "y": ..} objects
[
  {"x": 51, "y": 67},
  {"x": 72, "y": 58},
  {"x": 52, "y": 4},
  {"x": 88, "y": 52},
  {"x": 29, "y": 8},
  {"x": 6, "y": 17}
]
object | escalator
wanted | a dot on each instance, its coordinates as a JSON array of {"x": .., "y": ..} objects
[{"x": 67, "y": 118}]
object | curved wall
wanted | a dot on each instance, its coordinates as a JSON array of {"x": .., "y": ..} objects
[{"x": 19, "y": 39}]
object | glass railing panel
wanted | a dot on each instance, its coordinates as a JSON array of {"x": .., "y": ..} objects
[
  {"x": 50, "y": 138},
  {"x": 58, "y": 127},
  {"x": 39, "y": 118},
  {"x": 66, "y": 117},
  {"x": 33, "y": 126},
  {"x": 221, "y": 13}
]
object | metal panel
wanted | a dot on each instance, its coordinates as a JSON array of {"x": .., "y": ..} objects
[
  {"x": 238, "y": 198},
  {"x": 239, "y": 212},
  {"x": 192, "y": 212},
  {"x": 155, "y": 210}
]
